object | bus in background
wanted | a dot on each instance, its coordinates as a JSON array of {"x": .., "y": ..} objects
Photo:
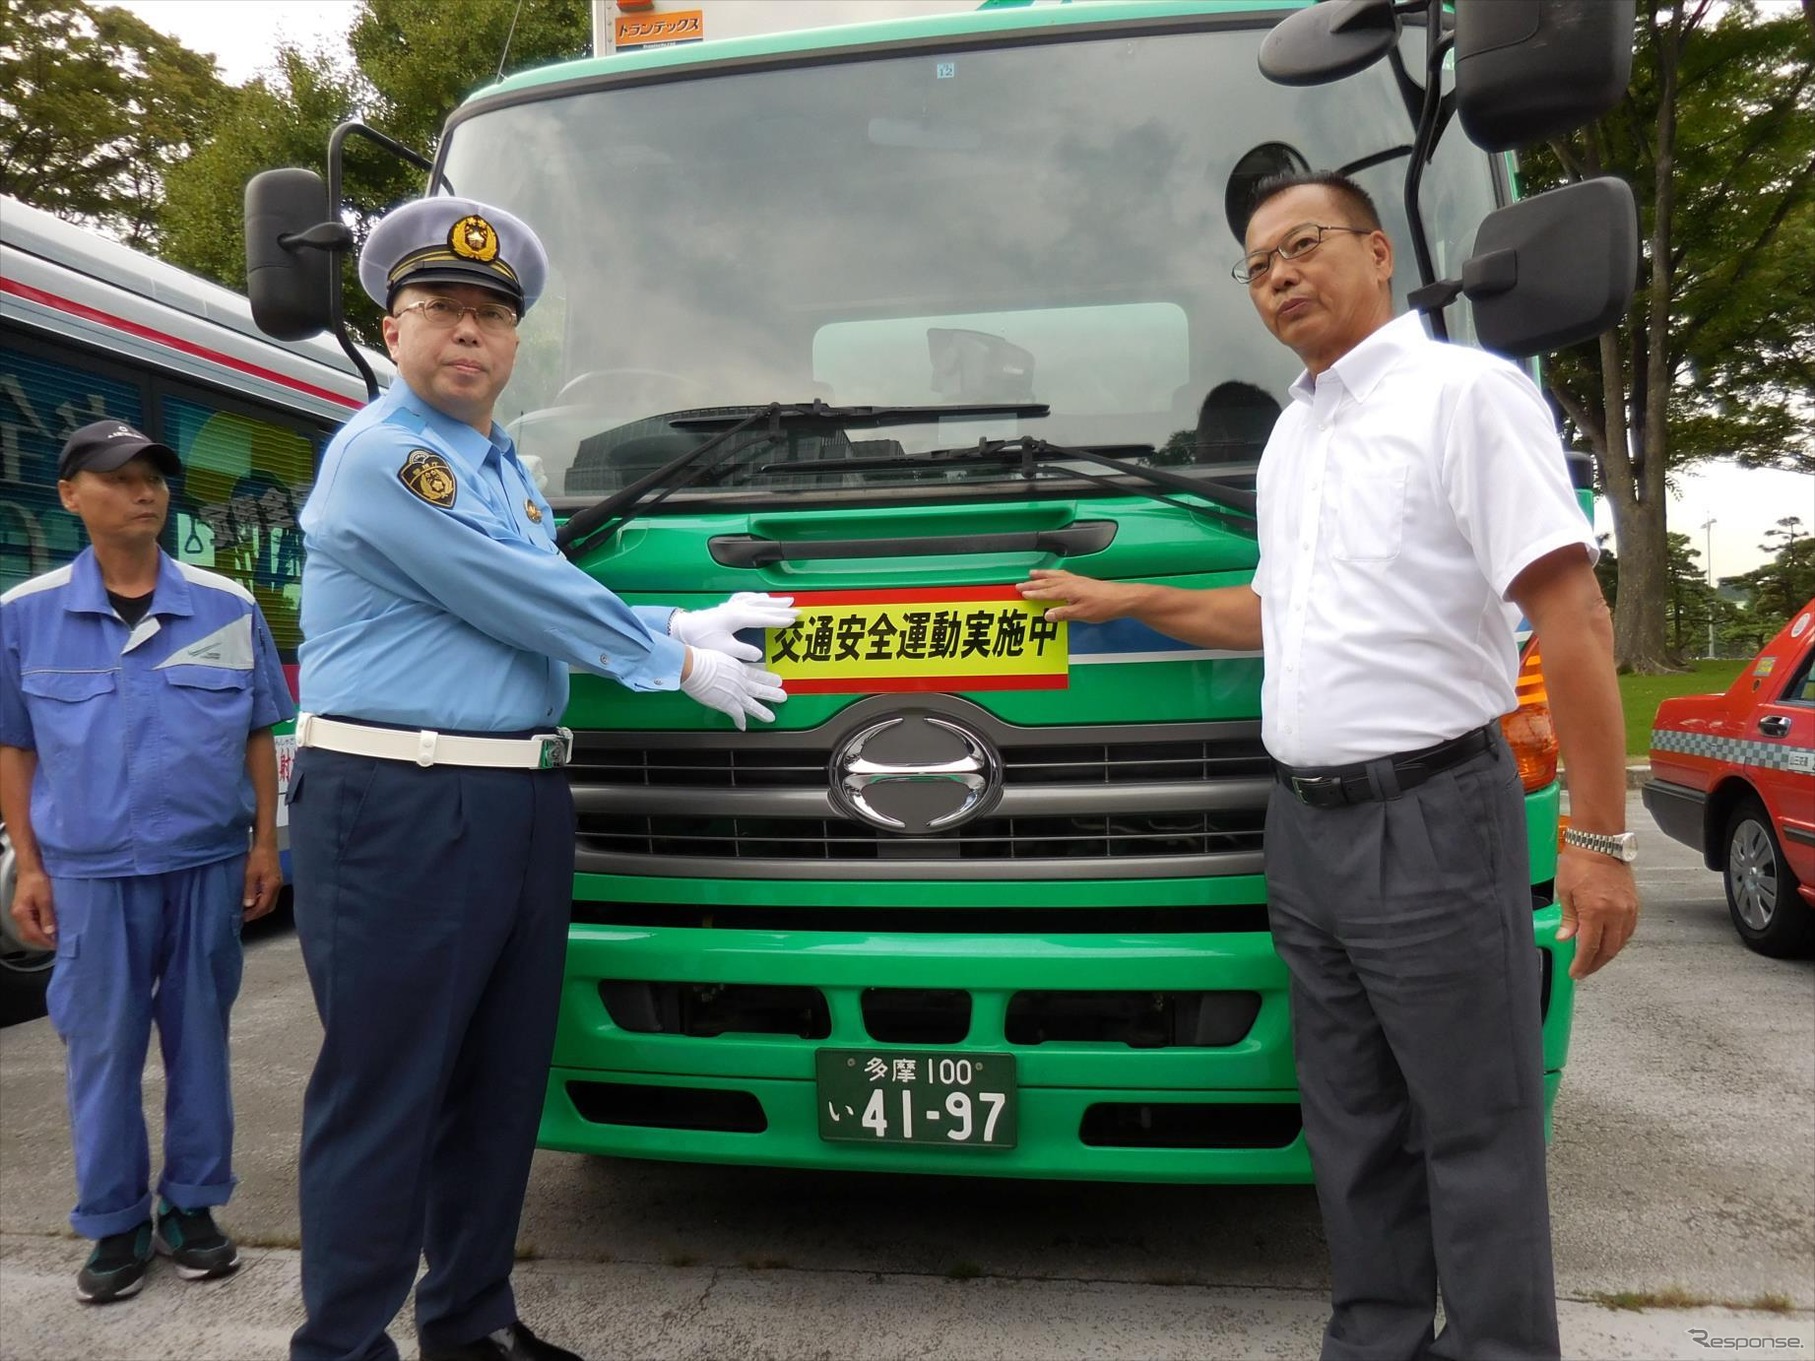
[
  {"x": 880, "y": 317},
  {"x": 91, "y": 329}
]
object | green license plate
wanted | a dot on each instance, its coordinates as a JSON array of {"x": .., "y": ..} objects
[{"x": 906, "y": 1096}]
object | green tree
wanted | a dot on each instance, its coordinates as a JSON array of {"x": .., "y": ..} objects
[
  {"x": 280, "y": 118},
  {"x": 414, "y": 61},
  {"x": 96, "y": 109},
  {"x": 1716, "y": 357},
  {"x": 1693, "y": 609},
  {"x": 422, "y": 57},
  {"x": 1607, "y": 569},
  {"x": 1783, "y": 585}
]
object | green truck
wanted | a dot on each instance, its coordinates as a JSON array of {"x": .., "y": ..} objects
[{"x": 879, "y": 318}]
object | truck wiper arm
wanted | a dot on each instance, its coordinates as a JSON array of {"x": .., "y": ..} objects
[
  {"x": 1030, "y": 450},
  {"x": 611, "y": 513},
  {"x": 858, "y": 417}
]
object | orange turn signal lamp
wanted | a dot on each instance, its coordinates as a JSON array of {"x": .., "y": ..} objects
[{"x": 1528, "y": 729}]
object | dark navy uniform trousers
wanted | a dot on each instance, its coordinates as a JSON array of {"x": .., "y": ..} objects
[
  {"x": 1406, "y": 925},
  {"x": 432, "y": 905}
]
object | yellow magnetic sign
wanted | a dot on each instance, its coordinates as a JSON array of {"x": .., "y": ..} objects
[{"x": 957, "y": 638}]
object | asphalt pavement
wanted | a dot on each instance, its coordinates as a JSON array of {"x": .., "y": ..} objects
[{"x": 1682, "y": 1175}]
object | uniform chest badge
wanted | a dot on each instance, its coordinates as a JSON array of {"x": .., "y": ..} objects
[
  {"x": 531, "y": 509},
  {"x": 427, "y": 475}
]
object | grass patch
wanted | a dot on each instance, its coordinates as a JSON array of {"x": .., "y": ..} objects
[
  {"x": 963, "y": 1271},
  {"x": 766, "y": 1263},
  {"x": 683, "y": 1259},
  {"x": 1676, "y": 1297},
  {"x": 1670, "y": 1297},
  {"x": 1640, "y": 696}
]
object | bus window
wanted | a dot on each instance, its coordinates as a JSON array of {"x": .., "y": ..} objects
[
  {"x": 41, "y": 401},
  {"x": 244, "y": 482}
]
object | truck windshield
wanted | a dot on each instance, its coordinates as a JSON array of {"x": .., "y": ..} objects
[{"x": 1050, "y": 223}]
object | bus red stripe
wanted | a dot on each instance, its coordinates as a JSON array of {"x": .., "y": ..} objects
[{"x": 133, "y": 328}]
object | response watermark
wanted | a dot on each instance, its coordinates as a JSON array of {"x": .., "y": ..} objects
[{"x": 1702, "y": 1337}]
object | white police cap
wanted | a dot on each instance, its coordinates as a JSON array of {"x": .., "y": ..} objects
[{"x": 447, "y": 240}]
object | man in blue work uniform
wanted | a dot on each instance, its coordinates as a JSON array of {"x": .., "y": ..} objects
[
  {"x": 137, "y": 695},
  {"x": 432, "y": 828}
]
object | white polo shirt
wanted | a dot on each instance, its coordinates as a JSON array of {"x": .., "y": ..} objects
[{"x": 1399, "y": 496}]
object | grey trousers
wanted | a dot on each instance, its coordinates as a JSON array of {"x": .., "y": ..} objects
[{"x": 1406, "y": 926}]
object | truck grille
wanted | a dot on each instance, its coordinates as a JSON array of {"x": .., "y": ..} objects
[
  {"x": 1165, "y": 800},
  {"x": 759, "y": 838}
]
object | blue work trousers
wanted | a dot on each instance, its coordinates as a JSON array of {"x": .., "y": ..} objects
[
  {"x": 164, "y": 948},
  {"x": 432, "y": 905}
]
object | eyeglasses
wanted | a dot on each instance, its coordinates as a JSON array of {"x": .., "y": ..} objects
[
  {"x": 1294, "y": 245},
  {"x": 444, "y": 314}
]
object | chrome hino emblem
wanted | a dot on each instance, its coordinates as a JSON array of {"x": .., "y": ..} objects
[{"x": 915, "y": 773}]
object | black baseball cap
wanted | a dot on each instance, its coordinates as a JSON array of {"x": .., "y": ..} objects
[{"x": 105, "y": 445}]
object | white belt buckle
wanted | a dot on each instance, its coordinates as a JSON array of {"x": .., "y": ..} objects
[{"x": 425, "y": 748}]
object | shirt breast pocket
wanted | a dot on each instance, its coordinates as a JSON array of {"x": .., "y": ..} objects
[
  {"x": 68, "y": 707},
  {"x": 211, "y": 705},
  {"x": 1370, "y": 513}
]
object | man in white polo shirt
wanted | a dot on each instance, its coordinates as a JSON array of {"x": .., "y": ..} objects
[{"x": 1409, "y": 493}]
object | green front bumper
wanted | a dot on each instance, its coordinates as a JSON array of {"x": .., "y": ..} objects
[{"x": 773, "y": 1075}]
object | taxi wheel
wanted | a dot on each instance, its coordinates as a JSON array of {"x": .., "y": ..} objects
[
  {"x": 24, "y": 969},
  {"x": 1767, "y": 911}
]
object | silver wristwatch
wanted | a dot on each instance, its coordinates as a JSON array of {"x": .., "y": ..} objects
[{"x": 1620, "y": 845}]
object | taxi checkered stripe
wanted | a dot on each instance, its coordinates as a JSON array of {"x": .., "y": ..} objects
[{"x": 1740, "y": 751}]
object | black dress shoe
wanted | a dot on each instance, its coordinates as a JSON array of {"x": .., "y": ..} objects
[{"x": 515, "y": 1343}]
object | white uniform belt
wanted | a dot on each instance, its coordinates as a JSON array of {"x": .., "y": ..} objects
[{"x": 540, "y": 751}]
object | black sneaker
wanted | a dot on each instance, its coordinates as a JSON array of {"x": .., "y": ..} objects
[
  {"x": 115, "y": 1270},
  {"x": 191, "y": 1241}
]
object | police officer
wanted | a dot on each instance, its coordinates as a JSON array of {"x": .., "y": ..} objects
[
  {"x": 137, "y": 695},
  {"x": 432, "y": 826}
]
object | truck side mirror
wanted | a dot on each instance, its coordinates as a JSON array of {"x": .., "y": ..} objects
[
  {"x": 1528, "y": 70},
  {"x": 1328, "y": 41},
  {"x": 1553, "y": 270},
  {"x": 292, "y": 251}
]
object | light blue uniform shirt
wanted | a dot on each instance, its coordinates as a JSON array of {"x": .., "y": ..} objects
[
  {"x": 433, "y": 594},
  {"x": 140, "y": 732}
]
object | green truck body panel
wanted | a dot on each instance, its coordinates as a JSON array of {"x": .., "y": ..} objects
[{"x": 729, "y": 924}]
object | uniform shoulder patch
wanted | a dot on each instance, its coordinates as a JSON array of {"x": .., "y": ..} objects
[{"x": 427, "y": 475}]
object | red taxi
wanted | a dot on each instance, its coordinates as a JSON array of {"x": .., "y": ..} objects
[{"x": 1734, "y": 775}]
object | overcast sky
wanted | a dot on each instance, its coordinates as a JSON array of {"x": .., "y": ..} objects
[{"x": 242, "y": 35}]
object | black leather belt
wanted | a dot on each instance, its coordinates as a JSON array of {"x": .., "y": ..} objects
[{"x": 1384, "y": 778}]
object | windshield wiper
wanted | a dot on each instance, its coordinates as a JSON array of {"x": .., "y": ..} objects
[
  {"x": 606, "y": 516},
  {"x": 1029, "y": 451}
]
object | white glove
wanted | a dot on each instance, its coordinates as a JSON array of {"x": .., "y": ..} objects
[
  {"x": 723, "y": 683},
  {"x": 715, "y": 628}
]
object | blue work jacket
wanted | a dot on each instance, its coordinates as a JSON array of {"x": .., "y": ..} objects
[{"x": 140, "y": 732}]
